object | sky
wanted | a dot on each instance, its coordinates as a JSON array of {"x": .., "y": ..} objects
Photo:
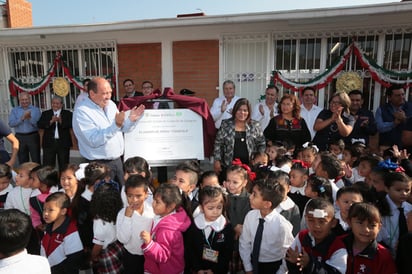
[{"x": 77, "y": 12}]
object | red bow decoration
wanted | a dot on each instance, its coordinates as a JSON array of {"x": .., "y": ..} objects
[
  {"x": 302, "y": 163},
  {"x": 250, "y": 173}
]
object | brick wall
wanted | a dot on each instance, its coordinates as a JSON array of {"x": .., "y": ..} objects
[
  {"x": 140, "y": 62},
  {"x": 196, "y": 67},
  {"x": 19, "y": 14}
]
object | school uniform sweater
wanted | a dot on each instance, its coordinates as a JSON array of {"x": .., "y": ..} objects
[
  {"x": 217, "y": 236},
  {"x": 62, "y": 247},
  {"x": 375, "y": 258}
]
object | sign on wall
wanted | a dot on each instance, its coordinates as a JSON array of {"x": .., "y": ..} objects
[{"x": 165, "y": 136}]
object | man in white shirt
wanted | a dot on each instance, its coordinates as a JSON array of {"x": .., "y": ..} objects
[
  {"x": 99, "y": 127},
  {"x": 308, "y": 110},
  {"x": 264, "y": 111},
  {"x": 222, "y": 106}
]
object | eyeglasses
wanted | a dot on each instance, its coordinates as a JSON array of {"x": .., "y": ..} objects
[
  {"x": 335, "y": 103},
  {"x": 147, "y": 87}
]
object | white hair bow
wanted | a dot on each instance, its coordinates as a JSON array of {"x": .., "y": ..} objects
[
  {"x": 80, "y": 172},
  {"x": 360, "y": 140},
  {"x": 305, "y": 145}
]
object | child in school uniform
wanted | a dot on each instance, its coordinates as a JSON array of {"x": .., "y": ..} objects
[
  {"x": 19, "y": 196},
  {"x": 299, "y": 174},
  {"x": 210, "y": 237},
  {"x": 186, "y": 178},
  {"x": 309, "y": 152},
  {"x": 318, "y": 187},
  {"x": 163, "y": 246},
  {"x": 394, "y": 225},
  {"x": 131, "y": 220},
  {"x": 107, "y": 251},
  {"x": 44, "y": 180},
  {"x": 15, "y": 228},
  {"x": 69, "y": 183},
  {"x": 238, "y": 206},
  {"x": 5, "y": 183},
  {"x": 345, "y": 197},
  {"x": 208, "y": 178},
  {"x": 351, "y": 155},
  {"x": 266, "y": 234},
  {"x": 61, "y": 242},
  {"x": 92, "y": 173},
  {"x": 287, "y": 208},
  {"x": 365, "y": 254},
  {"x": 137, "y": 166},
  {"x": 326, "y": 165},
  {"x": 317, "y": 249}
]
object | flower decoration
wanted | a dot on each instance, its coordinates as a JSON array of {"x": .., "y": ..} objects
[{"x": 291, "y": 124}]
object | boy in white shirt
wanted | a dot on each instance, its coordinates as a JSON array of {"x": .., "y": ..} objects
[
  {"x": 131, "y": 220},
  {"x": 276, "y": 237}
]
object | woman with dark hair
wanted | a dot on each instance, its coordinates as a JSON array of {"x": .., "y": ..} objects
[
  {"x": 237, "y": 137},
  {"x": 333, "y": 123},
  {"x": 288, "y": 126}
]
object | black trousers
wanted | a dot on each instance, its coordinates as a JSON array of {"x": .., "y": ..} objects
[
  {"x": 271, "y": 267},
  {"x": 56, "y": 149},
  {"x": 29, "y": 147},
  {"x": 133, "y": 264}
]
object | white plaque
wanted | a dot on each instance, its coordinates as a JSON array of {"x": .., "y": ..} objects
[{"x": 164, "y": 135}]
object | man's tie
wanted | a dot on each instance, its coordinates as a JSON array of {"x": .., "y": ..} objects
[
  {"x": 56, "y": 131},
  {"x": 403, "y": 227},
  {"x": 256, "y": 246}
]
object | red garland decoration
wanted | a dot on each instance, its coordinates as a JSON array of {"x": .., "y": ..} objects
[
  {"x": 320, "y": 85},
  {"x": 366, "y": 66},
  {"x": 14, "y": 89}
]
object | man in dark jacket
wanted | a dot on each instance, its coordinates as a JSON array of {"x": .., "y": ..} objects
[{"x": 57, "y": 124}]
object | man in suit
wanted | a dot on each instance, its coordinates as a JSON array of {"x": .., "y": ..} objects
[
  {"x": 130, "y": 90},
  {"x": 57, "y": 124}
]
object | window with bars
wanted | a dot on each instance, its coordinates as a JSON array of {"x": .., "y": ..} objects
[
  {"x": 298, "y": 56},
  {"x": 30, "y": 65},
  {"x": 245, "y": 62}
]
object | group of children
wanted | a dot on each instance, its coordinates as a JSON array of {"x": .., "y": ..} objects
[{"x": 344, "y": 211}]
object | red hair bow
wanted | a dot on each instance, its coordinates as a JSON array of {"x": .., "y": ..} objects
[
  {"x": 250, "y": 173},
  {"x": 302, "y": 163}
]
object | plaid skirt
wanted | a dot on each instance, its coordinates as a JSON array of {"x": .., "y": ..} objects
[{"x": 110, "y": 259}]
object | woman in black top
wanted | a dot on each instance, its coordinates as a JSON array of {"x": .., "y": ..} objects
[
  {"x": 288, "y": 126},
  {"x": 333, "y": 123}
]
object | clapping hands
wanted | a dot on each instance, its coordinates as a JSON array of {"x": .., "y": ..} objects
[{"x": 135, "y": 114}]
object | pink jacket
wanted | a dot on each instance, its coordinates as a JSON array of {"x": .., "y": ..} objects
[{"x": 165, "y": 253}]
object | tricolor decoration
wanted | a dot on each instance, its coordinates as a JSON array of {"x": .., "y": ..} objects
[
  {"x": 378, "y": 73},
  {"x": 16, "y": 85}
]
